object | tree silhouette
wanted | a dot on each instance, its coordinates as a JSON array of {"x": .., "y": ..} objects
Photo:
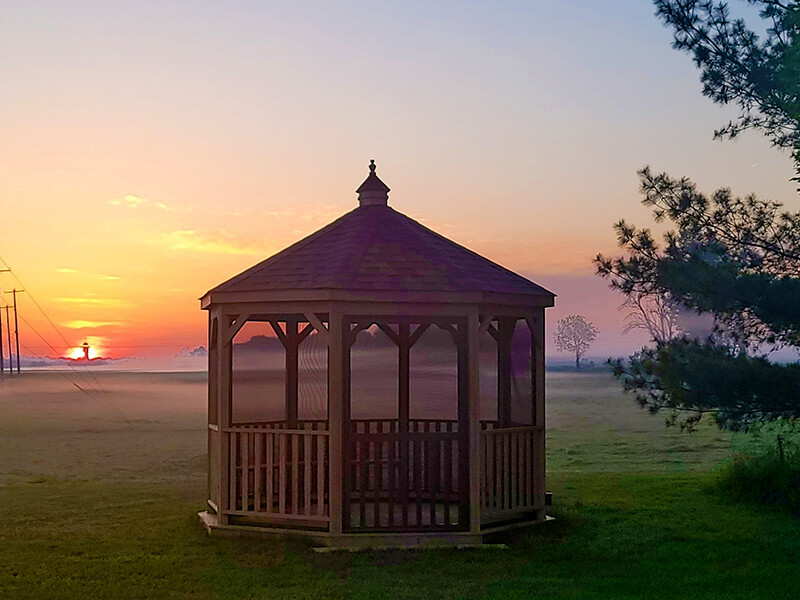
[
  {"x": 760, "y": 74},
  {"x": 575, "y": 334},
  {"x": 735, "y": 260}
]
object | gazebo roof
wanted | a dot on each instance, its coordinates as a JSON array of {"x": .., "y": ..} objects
[{"x": 374, "y": 248}]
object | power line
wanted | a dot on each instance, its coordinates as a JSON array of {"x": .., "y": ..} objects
[
  {"x": 81, "y": 375},
  {"x": 49, "y": 320},
  {"x": 16, "y": 323}
]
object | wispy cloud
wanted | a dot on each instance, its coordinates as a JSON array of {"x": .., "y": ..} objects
[
  {"x": 92, "y": 301},
  {"x": 89, "y": 273},
  {"x": 89, "y": 324},
  {"x": 133, "y": 201},
  {"x": 214, "y": 242},
  {"x": 129, "y": 201}
]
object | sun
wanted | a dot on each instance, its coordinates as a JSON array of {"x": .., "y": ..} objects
[
  {"x": 77, "y": 353},
  {"x": 96, "y": 349}
]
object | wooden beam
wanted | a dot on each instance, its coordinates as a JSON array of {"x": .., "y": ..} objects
[
  {"x": 454, "y": 332},
  {"x": 464, "y": 517},
  {"x": 290, "y": 346},
  {"x": 486, "y": 322},
  {"x": 492, "y": 331},
  {"x": 214, "y": 450},
  {"x": 223, "y": 398},
  {"x": 358, "y": 328},
  {"x": 276, "y": 327},
  {"x": 336, "y": 416},
  {"x": 535, "y": 376},
  {"x": 347, "y": 445},
  {"x": 463, "y": 302},
  {"x": 414, "y": 337},
  {"x": 505, "y": 332},
  {"x": 235, "y": 324},
  {"x": 538, "y": 384},
  {"x": 321, "y": 330},
  {"x": 475, "y": 474},
  {"x": 390, "y": 333},
  {"x": 404, "y": 376},
  {"x": 304, "y": 332}
]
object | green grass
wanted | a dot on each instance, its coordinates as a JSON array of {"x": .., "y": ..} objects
[
  {"x": 769, "y": 478},
  {"x": 640, "y": 518},
  {"x": 616, "y": 536}
]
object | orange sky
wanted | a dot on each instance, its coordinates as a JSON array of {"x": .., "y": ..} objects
[{"x": 151, "y": 151}]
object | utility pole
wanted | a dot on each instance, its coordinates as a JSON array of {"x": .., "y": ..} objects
[
  {"x": 8, "y": 333},
  {"x": 2, "y": 358},
  {"x": 16, "y": 324}
]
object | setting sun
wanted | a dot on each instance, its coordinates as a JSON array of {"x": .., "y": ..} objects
[{"x": 91, "y": 348}]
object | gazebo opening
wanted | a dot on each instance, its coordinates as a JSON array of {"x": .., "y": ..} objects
[{"x": 376, "y": 378}]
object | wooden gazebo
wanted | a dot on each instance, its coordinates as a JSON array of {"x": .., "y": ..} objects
[{"x": 444, "y": 445}]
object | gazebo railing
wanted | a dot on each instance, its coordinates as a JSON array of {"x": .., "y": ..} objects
[
  {"x": 397, "y": 479},
  {"x": 403, "y": 480},
  {"x": 312, "y": 424},
  {"x": 278, "y": 474},
  {"x": 510, "y": 472}
]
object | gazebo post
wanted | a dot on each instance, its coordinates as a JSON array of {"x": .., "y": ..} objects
[
  {"x": 505, "y": 331},
  {"x": 336, "y": 415},
  {"x": 403, "y": 376},
  {"x": 347, "y": 447},
  {"x": 291, "y": 372},
  {"x": 224, "y": 366},
  {"x": 463, "y": 424},
  {"x": 537, "y": 361},
  {"x": 214, "y": 454},
  {"x": 403, "y": 410},
  {"x": 473, "y": 341}
]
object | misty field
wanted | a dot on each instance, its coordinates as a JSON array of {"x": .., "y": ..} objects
[{"x": 99, "y": 496}]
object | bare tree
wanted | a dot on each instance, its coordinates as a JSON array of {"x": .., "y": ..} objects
[
  {"x": 657, "y": 314},
  {"x": 575, "y": 334}
]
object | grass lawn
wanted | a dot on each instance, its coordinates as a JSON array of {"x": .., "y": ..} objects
[{"x": 89, "y": 511}]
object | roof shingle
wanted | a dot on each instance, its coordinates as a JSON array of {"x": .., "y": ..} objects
[{"x": 376, "y": 248}]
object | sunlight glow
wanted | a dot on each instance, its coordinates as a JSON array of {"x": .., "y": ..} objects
[{"x": 97, "y": 349}]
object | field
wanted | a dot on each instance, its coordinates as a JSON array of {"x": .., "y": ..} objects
[{"x": 99, "y": 497}]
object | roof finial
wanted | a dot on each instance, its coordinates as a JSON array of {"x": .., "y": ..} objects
[{"x": 373, "y": 192}]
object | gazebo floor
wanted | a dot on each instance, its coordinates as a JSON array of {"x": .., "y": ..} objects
[{"x": 401, "y": 536}]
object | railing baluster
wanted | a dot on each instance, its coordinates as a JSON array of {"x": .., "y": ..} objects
[
  {"x": 244, "y": 441},
  {"x": 498, "y": 470},
  {"x": 418, "y": 484},
  {"x": 514, "y": 470},
  {"x": 258, "y": 440},
  {"x": 390, "y": 484},
  {"x": 281, "y": 473},
  {"x": 233, "y": 446},
  {"x": 363, "y": 481},
  {"x": 307, "y": 473},
  {"x": 530, "y": 466},
  {"x": 321, "y": 475},
  {"x": 377, "y": 449},
  {"x": 448, "y": 474},
  {"x": 270, "y": 470},
  {"x": 295, "y": 458}
]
